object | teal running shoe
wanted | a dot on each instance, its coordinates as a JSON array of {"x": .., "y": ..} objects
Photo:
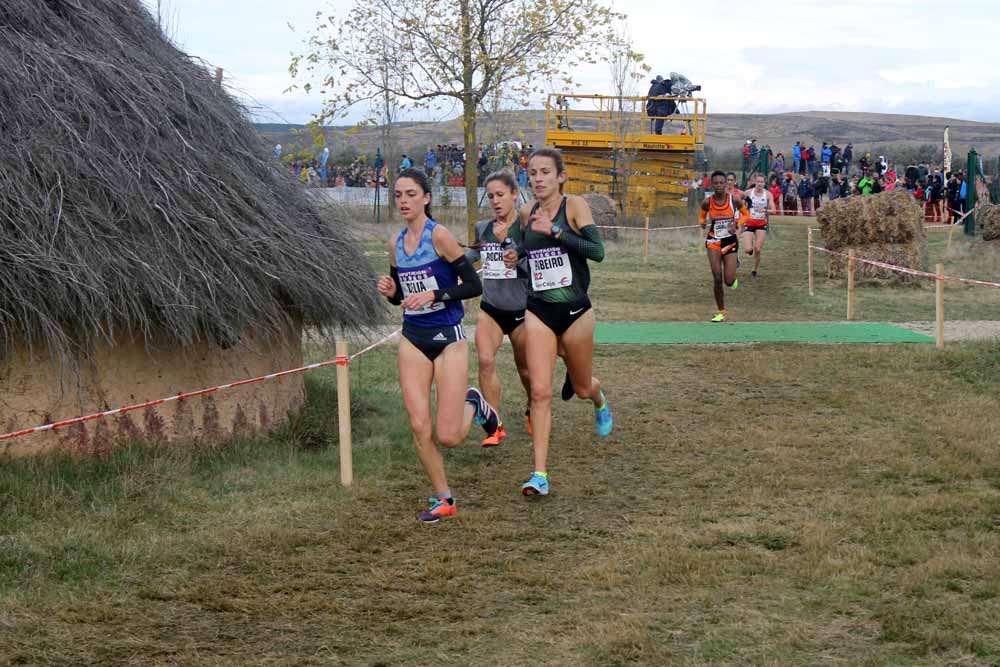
[
  {"x": 536, "y": 486},
  {"x": 603, "y": 420}
]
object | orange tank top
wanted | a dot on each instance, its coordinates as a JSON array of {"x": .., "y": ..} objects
[{"x": 720, "y": 216}]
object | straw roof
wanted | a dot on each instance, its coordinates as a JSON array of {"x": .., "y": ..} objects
[{"x": 135, "y": 194}]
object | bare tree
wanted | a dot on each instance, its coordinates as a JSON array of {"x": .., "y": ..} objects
[
  {"x": 451, "y": 50},
  {"x": 626, "y": 68}
]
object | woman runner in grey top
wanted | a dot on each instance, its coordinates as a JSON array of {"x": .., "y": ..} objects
[{"x": 505, "y": 292}]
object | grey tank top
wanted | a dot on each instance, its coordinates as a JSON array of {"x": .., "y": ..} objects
[{"x": 504, "y": 289}]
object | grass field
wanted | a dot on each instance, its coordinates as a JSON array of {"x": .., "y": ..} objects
[{"x": 756, "y": 505}]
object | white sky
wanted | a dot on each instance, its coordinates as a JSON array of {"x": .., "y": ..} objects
[{"x": 895, "y": 56}]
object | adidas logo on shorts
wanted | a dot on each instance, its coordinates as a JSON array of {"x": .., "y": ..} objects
[{"x": 440, "y": 336}]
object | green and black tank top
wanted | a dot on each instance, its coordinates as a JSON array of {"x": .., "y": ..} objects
[{"x": 557, "y": 274}]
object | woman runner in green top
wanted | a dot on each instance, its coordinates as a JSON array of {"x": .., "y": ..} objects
[
  {"x": 505, "y": 290},
  {"x": 559, "y": 238}
]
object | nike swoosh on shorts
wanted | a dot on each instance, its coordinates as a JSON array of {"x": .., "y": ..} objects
[{"x": 574, "y": 312}]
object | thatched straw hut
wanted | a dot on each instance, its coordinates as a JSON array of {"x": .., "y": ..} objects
[
  {"x": 150, "y": 244},
  {"x": 887, "y": 227}
]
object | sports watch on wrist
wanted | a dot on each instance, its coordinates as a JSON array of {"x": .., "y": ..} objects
[{"x": 556, "y": 229}]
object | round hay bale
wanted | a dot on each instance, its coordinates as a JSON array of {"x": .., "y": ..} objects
[
  {"x": 605, "y": 213},
  {"x": 887, "y": 227},
  {"x": 989, "y": 217}
]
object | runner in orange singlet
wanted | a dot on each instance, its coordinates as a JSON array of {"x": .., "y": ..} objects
[{"x": 722, "y": 213}]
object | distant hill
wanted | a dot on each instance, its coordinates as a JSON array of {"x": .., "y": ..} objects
[{"x": 726, "y": 132}]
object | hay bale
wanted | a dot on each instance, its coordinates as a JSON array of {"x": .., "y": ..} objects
[
  {"x": 605, "y": 212},
  {"x": 989, "y": 217},
  {"x": 887, "y": 227}
]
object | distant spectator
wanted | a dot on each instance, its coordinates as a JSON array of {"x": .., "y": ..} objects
[
  {"x": 778, "y": 166},
  {"x": 836, "y": 161},
  {"x": 867, "y": 184},
  {"x": 865, "y": 163},
  {"x": 796, "y": 157},
  {"x": 951, "y": 191},
  {"x": 821, "y": 186},
  {"x": 835, "y": 187},
  {"x": 430, "y": 162},
  {"x": 405, "y": 163},
  {"x": 848, "y": 158},
  {"x": 791, "y": 191},
  {"x": 826, "y": 155},
  {"x": 776, "y": 194},
  {"x": 806, "y": 194}
]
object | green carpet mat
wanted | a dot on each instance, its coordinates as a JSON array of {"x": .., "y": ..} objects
[{"x": 681, "y": 333}]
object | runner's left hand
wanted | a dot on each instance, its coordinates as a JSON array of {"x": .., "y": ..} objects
[
  {"x": 418, "y": 301},
  {"x": 540, "y": 222}
]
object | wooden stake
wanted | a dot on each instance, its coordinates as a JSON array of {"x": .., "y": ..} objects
[
  {"x": 344, "y": 417},
  {"x": 850, "y": 285},
  {"x": 645, "y": 241},
  {"x": 809, "y": 244},
  {"x": 940, "y": 307},
  {"x": 218, "y": 76}
]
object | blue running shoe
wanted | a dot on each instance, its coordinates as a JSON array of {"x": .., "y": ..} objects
[
  {"x": 536, "y": 486},
  {"x": 603, "y": 420}
]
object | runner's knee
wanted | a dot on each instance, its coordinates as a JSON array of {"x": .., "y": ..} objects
[
  {"x": 421, "y": 427},
  {"x": 449, "y": 437},
  {"x": 487, "y": 362},
  {"x": 541, "y": 392}
]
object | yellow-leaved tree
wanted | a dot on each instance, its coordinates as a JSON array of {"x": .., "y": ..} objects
[{"x": 428, "y": 53}]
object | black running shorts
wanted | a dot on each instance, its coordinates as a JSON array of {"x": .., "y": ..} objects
[
  {"x": 558, "y": 316},
  {"x": 506, "y": 319},
  {"x": 432, "y": 341}
]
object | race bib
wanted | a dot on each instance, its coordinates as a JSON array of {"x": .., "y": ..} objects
[
  {"x": 491, "y": 255},
  {"x": 721, "y": 229},
  {"x": 415, "y": 282},
  {"x": 758, "y": 213},
  {"x": 550, "y": 269}
]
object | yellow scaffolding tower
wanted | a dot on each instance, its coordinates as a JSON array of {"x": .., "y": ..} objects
[{"x": 610, "y": 147}]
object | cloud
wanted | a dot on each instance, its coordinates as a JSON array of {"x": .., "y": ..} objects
[
  {"x": 943, "y": 76},
  {"x": 854, "y": 55}
]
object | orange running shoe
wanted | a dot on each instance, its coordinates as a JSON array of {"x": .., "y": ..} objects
[
  {"x": 498, "y": 436},
  {"x": 437, "y": 509}
]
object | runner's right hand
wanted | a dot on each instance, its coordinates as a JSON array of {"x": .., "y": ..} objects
[{"x": 386, "y": 287}]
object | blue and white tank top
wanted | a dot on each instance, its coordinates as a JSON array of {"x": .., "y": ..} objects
[{"x": 425, "y": 271}]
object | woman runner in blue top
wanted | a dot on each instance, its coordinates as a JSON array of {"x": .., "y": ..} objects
[{"x": 425, "y": 265}]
